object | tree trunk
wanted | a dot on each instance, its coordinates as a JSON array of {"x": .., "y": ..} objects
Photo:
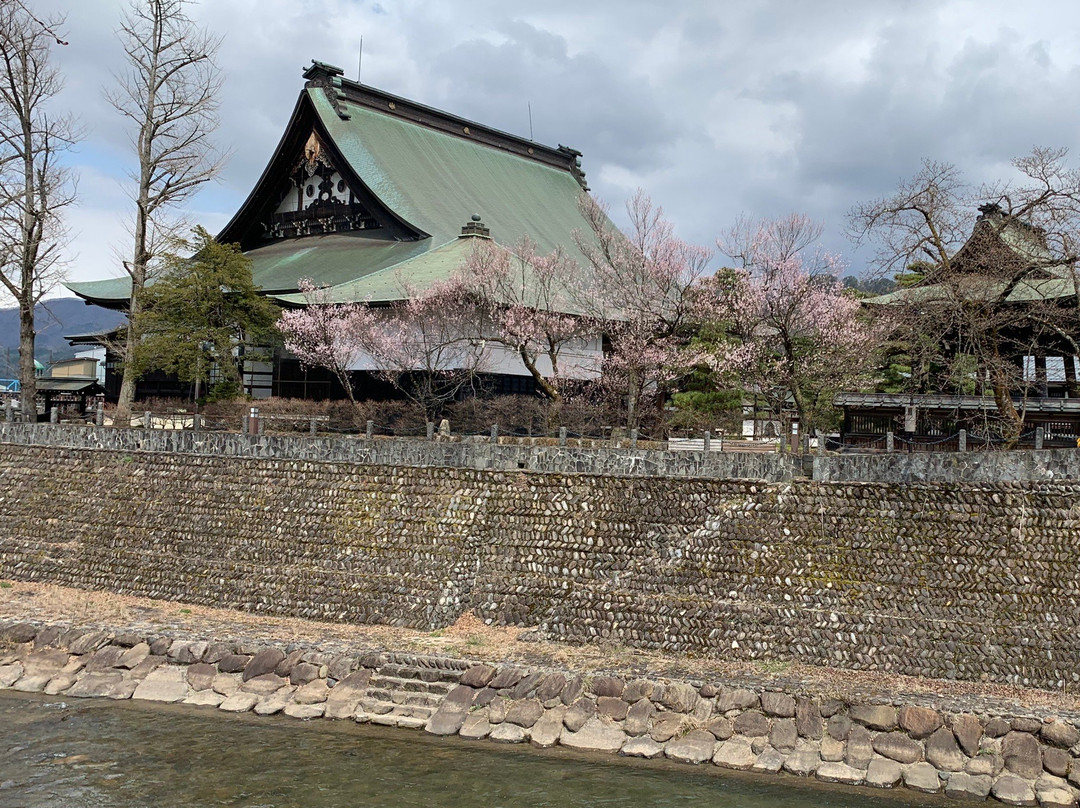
[
  {"x": 633, "y": 396},
  {"x": 122, "y": 416},
  {"x": 27, "y": 369},
  {"x": 546, "y": 387}
]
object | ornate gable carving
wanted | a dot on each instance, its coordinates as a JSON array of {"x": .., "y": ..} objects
[{"x": 317, "y": 199}]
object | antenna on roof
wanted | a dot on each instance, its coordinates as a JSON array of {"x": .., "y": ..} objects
[
  {"x": 530, "y": 121},
  {"x": 360, "y": 61}
]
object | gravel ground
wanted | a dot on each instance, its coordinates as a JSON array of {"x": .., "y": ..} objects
[{"x": 470, "y": 638}]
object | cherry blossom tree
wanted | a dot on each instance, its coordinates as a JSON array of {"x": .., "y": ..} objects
[
  {"x": 424, "y": 346},
  {"x": 526, "y": 303},
  {"x": 329, "y": 335},
  {"x": 798, "y": 337},
  {"x": 641, "y": 286},
  {"x": 419, "y": 345}
]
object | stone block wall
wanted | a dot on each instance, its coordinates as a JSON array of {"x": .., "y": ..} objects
[
  {"x": 969, "y": 467},
  {"x": 966, "y": 748},
  {"x": 942, "y": 580},
  {"x": 473, "y": 454}
]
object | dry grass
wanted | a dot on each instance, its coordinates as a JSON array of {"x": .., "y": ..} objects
[{"x": 471, "y": 638}]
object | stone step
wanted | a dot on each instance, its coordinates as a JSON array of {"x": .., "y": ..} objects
[
  {"x": 396, "y": 683},
  {"x": 387, "y": 708},
  {"x": 430, "y": 675}
]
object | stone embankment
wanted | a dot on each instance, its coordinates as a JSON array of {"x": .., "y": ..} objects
[{"x": 1016, "y": 757}]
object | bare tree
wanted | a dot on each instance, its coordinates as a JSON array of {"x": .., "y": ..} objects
[
  {"x": 34, "y": 186},
  {"x": 981, "y": 299},
  {"x": 169, "y": 93}
]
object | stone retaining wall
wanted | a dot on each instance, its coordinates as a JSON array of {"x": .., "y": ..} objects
[
  {"x": 938, "y": 580},
  {"x": 1017, "y": 757},
  {"x": 412, "y": 452},
  {"x": 967, "y": 467}
]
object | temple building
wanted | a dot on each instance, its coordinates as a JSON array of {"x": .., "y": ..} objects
[
  {"x": 1007, "y": 272},
  {"x": 371, "y": 194}
]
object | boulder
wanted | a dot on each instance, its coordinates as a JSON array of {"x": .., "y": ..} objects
[
  {"x": 205, "y": 698},
  {"x": 1056, "y": 761},
  {"x": 608, "y": 686},
  {"x": 677, "y": 697},
  {"x": 200, "y": 676},
  {"x": 832, "y": 750},
  {"x": 478, "y": 675},
  {"x": 548, "y": 728},
  {"x": 578, "y": 713},
  {"x": 1011, "y": 790},
  {"x": 643, "y": 748},
  {"x": 509, "y": 733},
  {"x": 167, "y": 683},
  {"x": 550, "y": 687},
  {"x": 637, "y": 717},
  {"x": 943, "y": 751},
  {"x": 106, "y": 657},
  {"x": 735, "y": 754},
  {"x": 476, "y": 725},
  {"x": 752, "y": 724},
  {"x": 638, "y": 689},
  {"x": 881, "y": 717},
  {"x": 839, "y": 726},
  {"x": 808, "y": 720},
  {"x": 840, "y": 773},
  {"x": 922, "y": 777},
  {"x": 882, "y": 773},
  {"x": 968, "y": 730},
  {"x": 133, "y": 656},
  {"x": 302, "y": 673},
  {"x": 1022, "y": 754},
  {"x": 693, "y": 747},
  {"x": 525, "y": 713},
  {"x": 263, "y": 685},
  {"x": 770, "y": 760},
  {"x": 1060, "y": 734},
  {"x": 919, "y": 722},
  {"x": 233, "y": 663},
  {"x": 777, "y": 704},
  {"x": 968, "y": 786},
  {"x": 239, "y": 702},
  {"x": 802, "y": 762},
  {"x": 784, "y": 734},
  {"x": 614, "y": 708},
  {"x": 262, "y": 663},
  {"x": 306, "y": 712},
  {"x": 314, "y": 692},
  {"x": 595, "y": 735},
  {"x": 739, "y": 699},
  {"x": 860, "y": 748},
  {"x": 105, "y": 683},
  {"x": 507, "y": 677}
]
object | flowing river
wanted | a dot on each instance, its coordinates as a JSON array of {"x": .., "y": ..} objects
[{"x": 121, "y": 754}]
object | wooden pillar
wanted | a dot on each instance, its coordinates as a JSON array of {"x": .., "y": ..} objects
[
  {"x": 1070, "y": 376},
  {"x": 1040, "y": 375}
]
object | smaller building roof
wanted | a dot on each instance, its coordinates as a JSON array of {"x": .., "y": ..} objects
[
  {"x": 947, "y": 402},
  {"x": 69, "y": 384}
]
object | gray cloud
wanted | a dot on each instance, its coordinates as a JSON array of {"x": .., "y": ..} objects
[{"x": 717, "y": 109}]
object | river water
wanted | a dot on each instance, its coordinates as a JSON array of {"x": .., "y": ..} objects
[{"x": 126, "y": 755}]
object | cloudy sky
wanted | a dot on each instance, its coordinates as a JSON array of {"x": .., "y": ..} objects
[{"x": 716, "y": 107}]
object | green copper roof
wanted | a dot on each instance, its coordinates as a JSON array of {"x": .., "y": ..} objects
[
  {"x": 1052, "y": 283},
  {"x": 109, "y": 290},
  {"x": 436, "y": 181},
  {"x": 329, "y": 260},
  {"x": 432, "y": 180}
]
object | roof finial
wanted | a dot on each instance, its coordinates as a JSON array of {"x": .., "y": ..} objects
[{"x": 475, "y": 227}]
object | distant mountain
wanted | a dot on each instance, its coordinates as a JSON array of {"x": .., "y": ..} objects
[{"x": 54, "y": 319}]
